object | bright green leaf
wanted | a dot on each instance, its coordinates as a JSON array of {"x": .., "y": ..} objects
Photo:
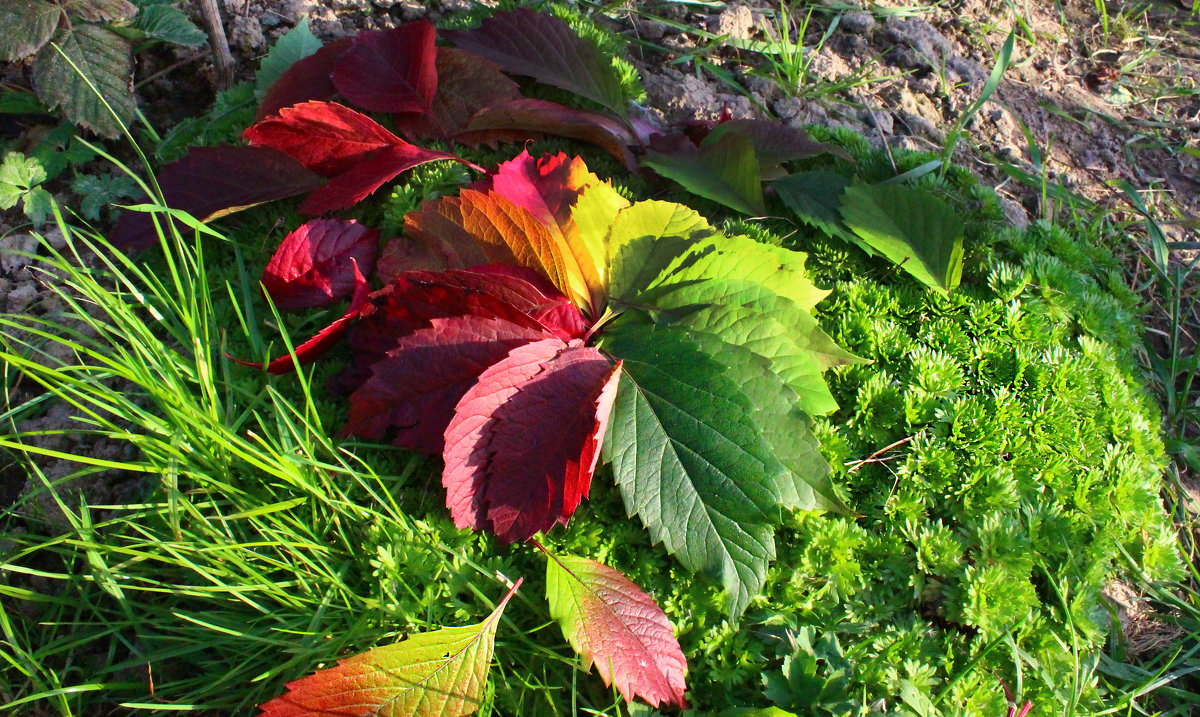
[
  {"x": 646, "y": 240},
  {"x": 724, "y": 170},
  {"x": 104, "y": 58},
  {"x": 169, "y": 24},
  {"x": 815, "y": 198},
  {"x": 25, "y": 27},
  {"x": 297, "y": 44},
  {"x": 686, "y": 457},
  {"x": 913, "y": 228}
]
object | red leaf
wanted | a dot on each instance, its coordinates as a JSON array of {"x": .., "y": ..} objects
[
  {"x": 413, "y": 391},
  {"x": 307, "y": 79},
  {"x": 354, "y": 185},
  {"x": 390, "y": 70},
  {"x": 466, "y": 84},
  {"x": 211, "y": 182},
  {"x": 326, "y": 137},
  {"x": 504, "y": 471},
  {"x": 545, "y": 48},
  {"x": 618, "y": 628},
  {"x": 534, "y": 117},
  {"x": 326, "y": 338},
  {"x": 314, "y": 265}
]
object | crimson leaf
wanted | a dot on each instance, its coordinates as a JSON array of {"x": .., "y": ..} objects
[
  {"x": 314, "y": 265},
  {"x": 307, "y": 79},
  {"x": 504, "y": 471},
  {"x": 466, "y": 85},
  {"x": 618, "y": 628},
  {"x": 390, "y": 70},
  {"x": 541, "y": 46}
]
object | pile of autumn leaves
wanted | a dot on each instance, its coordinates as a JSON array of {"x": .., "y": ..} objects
[{"x": 538, "y": 321}]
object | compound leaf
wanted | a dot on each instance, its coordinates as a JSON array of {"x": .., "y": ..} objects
[
  {"x": 541, "y": 46},
  {"x": 687, "y": 458},
  {"x": 618, "y": 628},
  {"x": 314, "y": 265},
  {"x": 25, "y": 27},
  {"x": 89, "y": 54},
  {"x": 169, "y": 24},
  {"x": 523, "y": 443},
  {"x": 912, "y": 227},
  {"x": 431, "y": 674}
]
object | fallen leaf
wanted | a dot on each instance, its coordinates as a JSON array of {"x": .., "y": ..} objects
[
  {"x": 314, "y": 265},
  {"x": 390, "y": 70}
]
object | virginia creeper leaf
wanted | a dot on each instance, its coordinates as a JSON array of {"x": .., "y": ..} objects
[
  {"x": 910, "y": 226},
  {"x": 211, "y": 182},
  {"x": 27, "y": 26},
  {"x": 354, "y": 185},
  {"x": 684, "y": 454},
  {"x": 314, "y": 265},
  {"x": 412, "y": 392},
  {"x": 323, "y": 340},
  {"x": 541, "y": 46},
  {"x": 307, "y": 79},
  {"x": 646, "y": 239},
  {"x": 532, "y": 117},
  {"x": 101, "y": 57},
  {"x": 466, "y": 85},
  {"x": 390, "y": 70},
  {"x": 815, "y": 198},
  {"x": 724, "y": 170},
  {"x": 774, "y": 143},
  {"x": 618, "y": 628},
  {"x": 504, "y": 471},
  {"x": 441, "y": 673},
  {"x": 295, "y": 45}
]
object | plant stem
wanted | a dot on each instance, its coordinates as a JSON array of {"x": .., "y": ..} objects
[{"x": 222, "y": 58}]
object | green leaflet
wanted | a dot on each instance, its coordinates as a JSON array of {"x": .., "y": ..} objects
[
  {"x": 102, "y": 57},
  {"x": 297, "y": 44},
  {"x": 170, "y": 24},
  {"x": 815, "y": 198},
  {"x": 688, "y": 459},
  {"x": 911, "y": 227},
  {"x": 724, "y": 170},
  {"x": 646, "y": 240}
]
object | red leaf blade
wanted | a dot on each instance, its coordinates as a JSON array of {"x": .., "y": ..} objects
[
  {"x": 307, "y": 79},
  {"x": 534, "y": 117},
  {"x": 618, "y": 628},
  {"x": 314, "y": 265},
  {"x": 326, "y": 137},
  {"x": 466, "y": 84},
  {"x": 390, "y": 70}
]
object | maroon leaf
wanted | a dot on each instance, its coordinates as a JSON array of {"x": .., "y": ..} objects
[
  {"x": 545, "y": 48},
  {"x": 326, "y": 338},
  {"x": 307, "y": 79},
  {"x": 314, "y": 265},
  {"x": 326, "y": 137},
  {"x": 390, "y": 70},
  {"x": 211, "y": 182},
  {"x": 774, "y": 143},
  {"x": 504, "y": 471},
  {"x": 413, "y": 391},
  {"x": 466, "y": 84},
  {"x": 352, "y": 186},
  {"x": 533, "y": 117}
]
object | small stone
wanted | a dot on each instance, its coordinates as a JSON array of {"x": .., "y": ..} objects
[
  {"x": 859, "y": 23},
  {"x": 54, "y": 237},
  {"x": 737, "y": 22},
  {"x": 21, "y": 297},
  {"x": 1015, "y": 213},
  {"x": 247, "y": 33},
  {"x": 14, "y": 251}
]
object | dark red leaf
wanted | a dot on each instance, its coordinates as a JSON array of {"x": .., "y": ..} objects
[
  {"x": 390, "y": 70},
  {"x": 506, "y": 472},
  {"x": 314, "y": 265},
  {"x": 355, "y": 184},
  {"x": 211, "y": 182},
  {"x": 307, "y": 79},
  {"x": 534, "y": 117},
  {"x": 326, "y": 137},
  {"x": 774, "y": 143},
  {"x": 326, "y": 338},
  {"x": 466, "y": 84},
  {"x": 412, "y": 392},
  {"x": 541, "y": 46}
]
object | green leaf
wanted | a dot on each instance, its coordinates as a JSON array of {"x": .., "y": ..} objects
[
  {"x": 756, "y": 712},
  {"x": 913, "y": 228},
  {"x": 440, "y": 673},
  {"x": 16, "y": 102},
  {"x": 169, "y": 24},
  {"x": 25, "y": 27},
  {"x": 297, "y": 44},
  {"x": 21, "y": 172},
  {"x": 104, "y": 58},
  {"x": 98, "y": 191},
  {"x": 646, "y": 240},
  {"x": 724, "y": 170},
  {"x": 689, "y": 461},
  {"x": 38, "y": 205},
  {"x": 815, "y": 198}
]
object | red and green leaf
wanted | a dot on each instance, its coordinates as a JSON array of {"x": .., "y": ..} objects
[
  {"x": 309, "y": 78},
  {"x": 504, "y": 472},
  {"x": 724, "y": 170},
  {"x": 314, "y": 265},
  {"x": 618, "y": 628},
  {"x": 390, "y": 70},
  {"x": 441, "y": 673}
]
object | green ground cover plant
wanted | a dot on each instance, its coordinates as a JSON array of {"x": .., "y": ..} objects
[{"x": 997, "y": 455}]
